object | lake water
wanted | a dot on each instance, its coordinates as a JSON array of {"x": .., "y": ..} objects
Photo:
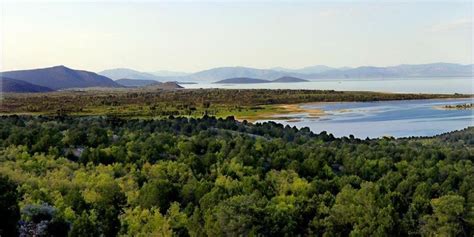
[
  {"x": 376, "y": 119},
  {"x": 445, "y": 85},
  {"x": 388, "y": 118}
]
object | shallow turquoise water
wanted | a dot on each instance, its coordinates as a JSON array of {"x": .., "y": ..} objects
[{"x": 388, "y": 118}]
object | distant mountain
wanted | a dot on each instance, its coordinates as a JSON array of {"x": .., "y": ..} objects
[
  {"x": 324, "y": 72},
  {"x": 289, "y": 80},
  {"x": 360, "y": 72},
  {"x": 222, "y": 73},
  {"x": 241, "y": 80},
  {"x": 420, "y": 70},
  {"x": 135, "y": 82},
  {"x": 165, "y": 73},
  {"x": 433, "y": 70},
  {"x": 305, "y": 70},
  {"x": 170, "y": 85},
  {"x": 120, "y": 73},
  {"x": 61, "y": 77},
  {"x": 18, "y": 86}
]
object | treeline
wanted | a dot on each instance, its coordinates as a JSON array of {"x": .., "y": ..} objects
[{"x": 99, "y": 176}]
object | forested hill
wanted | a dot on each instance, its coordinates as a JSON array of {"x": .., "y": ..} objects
[{"x": 214, "y": 177}]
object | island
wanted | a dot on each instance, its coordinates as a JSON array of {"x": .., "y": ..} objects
[
  {"x": 248, "y": 80},
  {"x": 460, "y": 106}
]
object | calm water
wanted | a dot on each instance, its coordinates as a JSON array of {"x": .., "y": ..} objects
[
  {"x": 375, "y": 119},
  {"x": 445, "y": 85},
  {"x": 393, "y": 118}
]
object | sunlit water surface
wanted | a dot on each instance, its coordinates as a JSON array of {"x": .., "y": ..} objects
[
  {"x": 376, "y": 119},
  {"x": 388, "y": 118},
  {"x": 444, "y": 85}
]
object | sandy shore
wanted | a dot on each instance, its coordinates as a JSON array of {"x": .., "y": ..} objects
[
  {"x": 298, "y": 109},
  {"x": 284, "y": 112}
]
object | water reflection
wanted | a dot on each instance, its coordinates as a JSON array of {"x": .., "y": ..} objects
[{"x": 388, "y": 118}]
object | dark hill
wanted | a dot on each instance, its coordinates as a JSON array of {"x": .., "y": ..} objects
[
  {"x": 289, "y": 79},
  {"x": 241, "y": 80},
  {"x": 61, "y": 77},
  {"x": 17, "y": 86},
  {"x": 135, "y": 82}
]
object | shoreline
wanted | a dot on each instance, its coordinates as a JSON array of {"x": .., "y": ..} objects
[
  {"x": 283, "y": 109},
  {"x": 280, "y": 110}
]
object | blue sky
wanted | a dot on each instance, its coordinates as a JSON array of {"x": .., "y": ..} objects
[{"x": 191, "y": 36}]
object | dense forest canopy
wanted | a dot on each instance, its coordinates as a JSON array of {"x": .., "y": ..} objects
[{"x": 104, "y": 176}]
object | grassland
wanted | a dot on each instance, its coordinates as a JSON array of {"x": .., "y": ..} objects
[{"x": 243, "y": 104}]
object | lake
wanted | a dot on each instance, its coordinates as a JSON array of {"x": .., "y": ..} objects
[
  {"x": 387, "y": 118},
  {"x": 376, "y": 119},
  {"x": 444, "y": 85}
]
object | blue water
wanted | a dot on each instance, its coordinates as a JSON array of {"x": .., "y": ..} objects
[
  {"x": 445, "y": 85},
  {"x": 388, "y": 118}
]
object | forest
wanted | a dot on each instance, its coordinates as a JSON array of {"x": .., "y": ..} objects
[{"x": 107, "y": 176}]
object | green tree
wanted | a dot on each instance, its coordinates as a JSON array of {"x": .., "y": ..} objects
[
  {"x": 159, "y": 193},
  {"x": 84, "y": 226},
  {"x": 446, "y": 219},
  {"x": 363, "y": 212},
  {"x": 145, "y": 222}
]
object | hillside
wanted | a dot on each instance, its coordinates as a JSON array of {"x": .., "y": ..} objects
[
  {"x": 18, "y": 86},
  {"x": 134, "y": 82},
  {"x": 221, "y": 177},
  {"x": 61, "y": 77}
]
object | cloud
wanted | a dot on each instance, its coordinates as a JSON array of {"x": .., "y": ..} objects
[{"x": 460, "y": 24}]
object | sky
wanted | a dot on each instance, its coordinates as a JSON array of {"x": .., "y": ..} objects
[{"x": 189, "y": 36}]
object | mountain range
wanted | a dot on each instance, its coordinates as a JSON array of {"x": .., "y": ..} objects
[
  {"x": 313, "y": 72},
  {"x": 61, "y": 77},
  {"x": 405, "y": 70},
  {"x": 305, "y": 70}
]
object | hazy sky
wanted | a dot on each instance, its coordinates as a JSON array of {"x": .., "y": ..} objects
[{"x": 192, "y": 36}]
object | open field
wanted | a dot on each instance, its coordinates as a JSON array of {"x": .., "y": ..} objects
[{"x": 243, "y": 104}]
